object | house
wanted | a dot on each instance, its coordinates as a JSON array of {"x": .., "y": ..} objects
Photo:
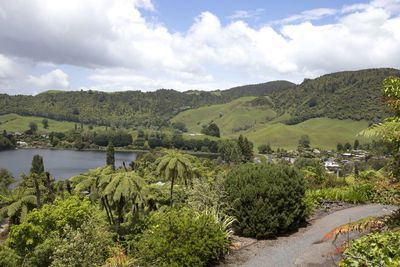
[{"x": 22, "y": 143}]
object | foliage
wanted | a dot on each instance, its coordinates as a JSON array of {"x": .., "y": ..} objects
[
  {"x": 124, "y": 109},
  {"x": 40, "y": 224},
  {"x": 6, "y": 179},
  {"x": 212, "y": 130},
  {"x": 5, "y": 143},
  {"x": 37, "y": 165},
  {"x": 183, "y": 238},
  {"x": 33, "y": 127},
  {"x": 110, "y": 157},
  {"x": 266, "y": 199},
  {"x": 355, "y": 193},
  {"x": 372, "y": 249},
  {"x": 313, "y": 170},
  {"x": 390, "y": 129},
  {"x": 304, "y": 141},
  {"x": 265, "y": 149},
  {"x": 173, "y": 166},
  {"x": 8, "y": 257},
  {"x": 89, "y": 245}
]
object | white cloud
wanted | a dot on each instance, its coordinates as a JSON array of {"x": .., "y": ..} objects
[
  {"x": 56, "y": 79},
  {"x": 309, "y": 15},
  {"x": 245, "y": 14},
  {"x": 124, "y": 50}
]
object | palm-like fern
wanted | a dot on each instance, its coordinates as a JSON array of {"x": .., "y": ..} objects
[
  {"x": 122, "y": 187},
  {"x": 175, "y": 165},
  {"x": 17, "y": 205}
]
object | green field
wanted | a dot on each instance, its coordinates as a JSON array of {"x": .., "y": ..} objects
[
  {"x": 17, "y": 123},
  {"x": 267, "y": 128},
  {"x": 228, "y": 116}
]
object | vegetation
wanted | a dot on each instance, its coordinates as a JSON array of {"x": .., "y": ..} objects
[
  {"x": 266, "y": 199},
  {"x": 183, "y": 238},
  {"x": 373, "y": 249}
]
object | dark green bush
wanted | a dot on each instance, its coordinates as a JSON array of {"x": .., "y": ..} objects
[
  {"x": 267, "y": 199},
  {"x": 183, "y": 238}
]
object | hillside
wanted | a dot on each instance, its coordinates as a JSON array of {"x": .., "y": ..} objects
[
  {"x": 130, "y": 108},
  {"x": 344, "y": 95},
  {"x": 261, "y": 124}
]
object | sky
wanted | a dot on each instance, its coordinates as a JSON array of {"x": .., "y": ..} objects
[{"x": 117, "y": 45}]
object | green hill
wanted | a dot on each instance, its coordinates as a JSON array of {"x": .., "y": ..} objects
[
  {"x": 262, "y": 126},
  {"x": 343, "y": 95},
  {"x": 17, "y": 123},
  {"x": 130, "y": 108}
]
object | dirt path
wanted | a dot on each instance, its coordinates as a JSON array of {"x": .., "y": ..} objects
[{"x": 303, "y": 248}]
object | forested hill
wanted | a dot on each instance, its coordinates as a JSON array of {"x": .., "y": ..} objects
[
  {"x": 130, "y": 108},
  {"x": 343, "y": 95}
]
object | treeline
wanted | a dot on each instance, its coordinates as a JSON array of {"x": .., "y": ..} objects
[{"x": 144, "y": 141}]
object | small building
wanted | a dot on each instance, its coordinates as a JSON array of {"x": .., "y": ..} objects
[{"x": 22, "y": 143}]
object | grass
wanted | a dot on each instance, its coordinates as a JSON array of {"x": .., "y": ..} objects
[
  {"x": 228, "y": 116},
  {"x": 17, "y": 123},
  {"x": 266, "y": 127}
]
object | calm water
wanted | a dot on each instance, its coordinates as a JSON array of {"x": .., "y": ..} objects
[{"x": 62, "y": 164}]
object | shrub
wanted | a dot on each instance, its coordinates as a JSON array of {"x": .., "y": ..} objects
[
  {"x": 8, "y": 257},
  {"x": 267, "y": 199},
  {"x": 183, "y": 238},
  {"x": 380, "y": 248}
]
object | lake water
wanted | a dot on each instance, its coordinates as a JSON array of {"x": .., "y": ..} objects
[{"x": 62, "y": 164}]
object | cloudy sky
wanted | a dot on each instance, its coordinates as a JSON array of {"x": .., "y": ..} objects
[{"x": 115, "y": 45}]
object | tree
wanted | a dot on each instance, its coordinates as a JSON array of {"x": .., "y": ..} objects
[
  {"x": 173, "y": 166},
  {"x": 6, "y": 178},
  {"x": 304, "y": 141},
  {"x": 90, "y": 181},
  {"x": 110, "y": 158},
  {"x": 356, "y": 144},
  {"x": 264, "y": 149},
  {"x": 248, "y": 151},
  {"x": 347, "y": 146},
  {"x": 212, "y": 130},
  {"x": 45, "y": 123},
  {"x": 122, "y": 187},
  {"x": 339, "y": 147},
  {"x": 230, "y": 151},
  {"x": 390, "y": 129},
  {"x": 36, "y": 171},
  {"x": 33, "y": 127}
]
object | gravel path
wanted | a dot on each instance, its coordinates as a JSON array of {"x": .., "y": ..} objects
[{"x": 301, "y": 248}]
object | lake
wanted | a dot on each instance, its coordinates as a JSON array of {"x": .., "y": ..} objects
[{"x": 62, "y": 164}]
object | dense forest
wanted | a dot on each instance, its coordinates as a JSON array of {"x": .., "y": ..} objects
[{"x": 343, "y": 95}]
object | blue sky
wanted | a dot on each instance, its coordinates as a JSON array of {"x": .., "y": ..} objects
[{"x": 115, "y": 45}]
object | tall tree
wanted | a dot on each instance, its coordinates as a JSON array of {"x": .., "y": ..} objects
[
  {"x": 33, "y": 127},
  {"x": 36, "y": 171},
  {"x": 356, "y": 144},
  {"x": 173, "y": 166},
  {"x": 110, "y": 157},
  {"x": 248, "y": 150},
  {"x": 45, "y": 123}
]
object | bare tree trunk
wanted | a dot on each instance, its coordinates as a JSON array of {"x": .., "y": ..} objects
[
  {"x": 105, "y": 207},
  {"x": 69, "y": 187},
  {"x": 39, "y": 206},
  {"x": 172, "y": 188},
  {"x": 108, "y": 205},
  {"x": 123, "y": 163},
  {"x": 48, "y": 185},
  {"x": 120, "y": 210}
]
